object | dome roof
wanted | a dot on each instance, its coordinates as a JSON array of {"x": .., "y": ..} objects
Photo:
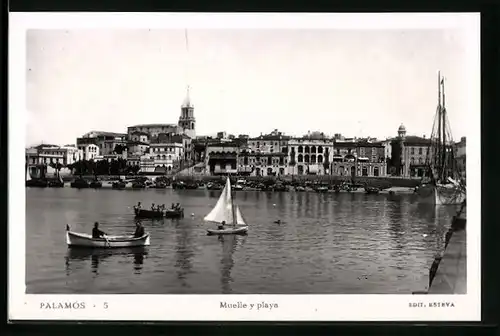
[{"x": 402, "y": 128}]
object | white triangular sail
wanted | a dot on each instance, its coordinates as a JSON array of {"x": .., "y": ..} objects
[
  {"x": 28, "y": 175},
  {"x": 239, "y": 217},
  {"x": 223, "y": 210}
]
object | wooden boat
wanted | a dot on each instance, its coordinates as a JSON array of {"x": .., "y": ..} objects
[
  {"x": 95, "y": 184},
  {"x": 372, "y": 190},
  {"x": 174, "y": 213},
  {"x": 119, "y": 185},
  {"x": 58, "y": 183},
  {"x": 226, "y": 211},
  {"x": 144, "y": 213},
  {"x": 80, "y": 183},
  {"x": 86, "y": 240},
  {"x": 138, "y": 185},
  {"x": 444, "y": 187},
  {"x": 168, "y": 213},
  {"x": 31, "y": 182}
]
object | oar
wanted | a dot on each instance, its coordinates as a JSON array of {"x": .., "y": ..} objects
[{"x": 107, "y": 241}]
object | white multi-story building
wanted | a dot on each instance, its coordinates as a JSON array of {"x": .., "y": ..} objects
[
  {"x": 51, "y": 156},
  {"x": 310, "y": 155},
  {"x": 162, "y": 157},
  {"x": 89, "y": 151}
]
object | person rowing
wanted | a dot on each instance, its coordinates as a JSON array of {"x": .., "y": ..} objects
[
  {"x": 96, "y": 233},
  {"x": 139, "y": 230}
]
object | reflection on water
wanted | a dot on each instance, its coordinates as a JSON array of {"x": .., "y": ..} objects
[
  {"x": 75, "y": 257},
  {"x": 325, "y": 243},
  {"x": 229, "y": 244}
]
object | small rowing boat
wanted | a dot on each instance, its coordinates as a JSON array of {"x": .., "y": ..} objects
[
  {"x": 86, "y": 240},
  {"x": 168, "y": 213}
]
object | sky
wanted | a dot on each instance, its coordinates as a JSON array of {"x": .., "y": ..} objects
[{"x": 248, "y": 81}]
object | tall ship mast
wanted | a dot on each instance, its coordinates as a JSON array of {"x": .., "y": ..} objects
[{"x": 444, "y": 185}]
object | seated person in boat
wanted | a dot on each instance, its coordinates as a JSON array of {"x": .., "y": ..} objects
[
  {"x": 153, "y": 207},
  {"x": 221, "y": 225},
  {"x": 138, "y": 206},
  {"x": 96, "y": 233},
  {"x": 177, "y": 206},
  {"x": 139, "y": 230},
  {"x": 173, "y": 206}
]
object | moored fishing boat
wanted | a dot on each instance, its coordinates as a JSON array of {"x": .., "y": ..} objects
[
  {"x": 86, "y": 240},
  {"x": 58, "y": 183},
  {"x": 38, "y": 182},
  {"x": 80, "y": 183},
  {"x": 444, "y": 186},
  {"x": 372, "y": 190},
  {"x": 226, "y": 212},
  {"x": 119, "y": 185}
]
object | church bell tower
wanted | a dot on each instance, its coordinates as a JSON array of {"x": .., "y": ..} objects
[{"x": 187, "y": 120}]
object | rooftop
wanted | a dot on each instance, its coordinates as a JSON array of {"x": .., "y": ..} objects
[{"x": 153, "y": 125}]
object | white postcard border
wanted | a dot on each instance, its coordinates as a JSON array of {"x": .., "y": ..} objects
[{"x": 207, "y": 307}]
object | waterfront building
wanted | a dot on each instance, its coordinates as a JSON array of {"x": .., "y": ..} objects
[
  {"x": 163, "y": 133},
  {"x": 310, "y": 154},
  {"x": 108, "y": 142},
  {"x": 89, "y": 151},
  {"x": 48, "y": 156},
  {"x": 409, "y": 155},
  {"x": 222, "y": 158},
  {"x": 265, "y": 155},
  {"x": 359, "y": 157}
]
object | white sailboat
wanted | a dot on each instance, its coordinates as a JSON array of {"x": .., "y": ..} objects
[
  {"x": 227, "y": 213},
  {"x": 444, "y": 187},
  {"x": 28, "y": 175}
]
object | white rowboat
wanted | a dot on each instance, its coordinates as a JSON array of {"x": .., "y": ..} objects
[{"x": 86, "y": 240}]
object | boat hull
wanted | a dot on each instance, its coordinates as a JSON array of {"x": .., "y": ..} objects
[
  {"x": 143, "y": 213},
  {"x": 84, "y": 240},
  {"x": 237, "y": 230},
  {"x": 440, "y": 195}
]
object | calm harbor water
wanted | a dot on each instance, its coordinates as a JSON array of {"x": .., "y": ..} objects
[{"x": 328, "y": 243}]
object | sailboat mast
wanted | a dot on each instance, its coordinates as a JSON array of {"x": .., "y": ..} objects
[
  {"x": 444, "y": 135},
  {"x": 232, "y": 205},
  {"x": 438, "y": 147}
]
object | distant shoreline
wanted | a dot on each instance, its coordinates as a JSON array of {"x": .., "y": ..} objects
[{"x": 327, "y": 179}]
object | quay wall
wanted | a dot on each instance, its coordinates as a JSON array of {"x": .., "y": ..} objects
[
  {"x": 448, "y": 272},
  {"x": 382, "y": 182}
]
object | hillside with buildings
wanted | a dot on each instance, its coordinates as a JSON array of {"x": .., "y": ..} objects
[{"x": 174, "y": 148}]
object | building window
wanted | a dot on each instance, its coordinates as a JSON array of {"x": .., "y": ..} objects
[
  {"x": 313, "y": 149},
  {"x": 313, "y": 158},
  {"x": 412, "y": 150},
  {"x": 306, "y": 158},
  {"x": 320, "y": 158},
  {"x": 300, "y": 158},
  {"x": 320, "y": 150},
  {"x": 307, "y": 149},
  {"x": 375, "y": 171},
  {"x": 420, "y": 151},
  {"x": 300, "y": 150}
]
